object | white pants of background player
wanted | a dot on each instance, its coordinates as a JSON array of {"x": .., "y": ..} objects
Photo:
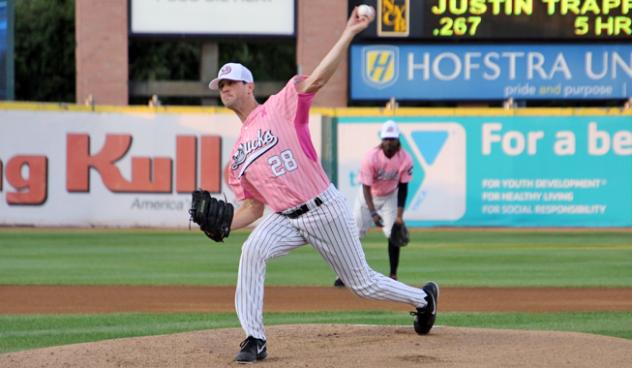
[
  {"x": 386, "y": 206},
  {"x": 332, "y": 232}
]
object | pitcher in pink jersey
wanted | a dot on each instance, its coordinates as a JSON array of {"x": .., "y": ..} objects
[
  {"x": 273, "y": 163},
  {"x": 385, "y": 173}
]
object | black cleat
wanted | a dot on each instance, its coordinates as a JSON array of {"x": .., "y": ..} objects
[
  {"x": 339, "y": 283},
  {"x": 425, "y": 317},
  {"x": 252, "y": 349}
]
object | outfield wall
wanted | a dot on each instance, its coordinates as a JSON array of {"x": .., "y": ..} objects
[{"x": 77, "y": 166}]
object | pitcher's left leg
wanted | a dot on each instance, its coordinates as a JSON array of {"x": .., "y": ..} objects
[{"x": 273, "y": 237}]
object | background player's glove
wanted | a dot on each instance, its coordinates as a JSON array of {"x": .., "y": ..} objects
[
  {"x": 213, "y": 215},
  {"x": 399, "y": 235}
]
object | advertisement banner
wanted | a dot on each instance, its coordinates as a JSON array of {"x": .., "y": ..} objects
[
  {"x": 491, "y": 72},
  {"x": 69, "y": 168},
  {"x": 540, "y": 171},
  {"x": 213, "y": 17}
]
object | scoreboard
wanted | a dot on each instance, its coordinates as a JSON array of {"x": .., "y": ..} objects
[{"x": 502, "y": 20}]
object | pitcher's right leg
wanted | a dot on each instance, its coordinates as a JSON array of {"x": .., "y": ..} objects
[{"x": 334, "y": 234}]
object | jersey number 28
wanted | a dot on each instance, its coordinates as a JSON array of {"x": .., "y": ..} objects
[{"x": 282, "y": 163}]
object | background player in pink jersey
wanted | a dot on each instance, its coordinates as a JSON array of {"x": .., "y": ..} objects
[
  {"x": 385, "y": 173},
  {"x": 274, "y": 163}
]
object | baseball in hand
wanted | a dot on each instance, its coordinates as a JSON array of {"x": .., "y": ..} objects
[{"x": 366, "y": 11}]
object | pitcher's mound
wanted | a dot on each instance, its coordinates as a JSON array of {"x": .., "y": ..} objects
[{"x": 342, "y": 346}]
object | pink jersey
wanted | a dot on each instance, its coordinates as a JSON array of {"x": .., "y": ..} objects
[
  {"x": 384, "y": 174},
  {"x": 274, "y": 160}
]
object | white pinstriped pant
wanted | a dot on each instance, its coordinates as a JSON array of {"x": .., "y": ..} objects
[{"x": 331, "y": 230}]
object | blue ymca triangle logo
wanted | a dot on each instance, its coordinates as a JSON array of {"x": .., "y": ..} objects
[{"x": 430, "y": 143}]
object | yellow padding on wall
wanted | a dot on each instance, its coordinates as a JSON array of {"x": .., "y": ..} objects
[{"x": 332, "y": 111}]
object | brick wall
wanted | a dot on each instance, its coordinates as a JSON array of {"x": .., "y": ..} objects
[
  {"x": 320, "y": 23},
  {"x": 101, "y": 53},
  {"x": 102, "y": 44}
]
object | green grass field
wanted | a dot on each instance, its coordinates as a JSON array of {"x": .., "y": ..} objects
[{"x": 454, "y": 258}]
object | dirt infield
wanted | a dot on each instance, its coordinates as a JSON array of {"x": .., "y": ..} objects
[
  {"x": 106, "y": 299},
  {"x": 340, "y": 346}
]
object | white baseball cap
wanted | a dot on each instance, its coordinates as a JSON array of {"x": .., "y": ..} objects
[
  {"x": 389, "y": 130},
  {"x": 232, "y": 71}
]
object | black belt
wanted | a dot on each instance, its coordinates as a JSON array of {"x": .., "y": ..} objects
[{"x": 303, "y": 209}]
